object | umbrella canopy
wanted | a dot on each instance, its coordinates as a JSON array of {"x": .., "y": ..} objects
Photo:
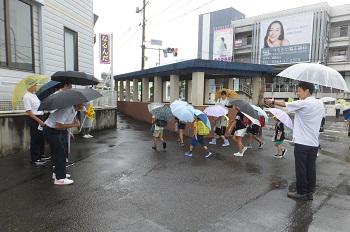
[
  {"x": 216, "y": 111},
  {"x": 184, "y": 114},
  {"x": 261, "y": 112},
  {"x": 68, "y": 98},
  {"x": 76, "y": 78},
  {"x": 245, "y": 107},
  {"x": 23, "y": 85},
  {"x": 199, "y": 114},
  {"x": 327, "y": 99},
  {"x": 162, "y": 113},
  {"x": 178, "y": 103},
  {"x": 48, "y": 89},
  {"x": 154, "y": 105},
  {"x": 346, "y": 114},
  {"x": 282, "y": 116},
  {"x": 316, "y": 74},
  {"x": 230, "y": 94}
]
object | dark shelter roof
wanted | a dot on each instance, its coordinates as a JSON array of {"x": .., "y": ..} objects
[{"x": 199, "y": 65}]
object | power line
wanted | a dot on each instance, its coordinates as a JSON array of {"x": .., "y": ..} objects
[
  {"x": 165, "y": 9},
  {"x": 183, "y": 15}
]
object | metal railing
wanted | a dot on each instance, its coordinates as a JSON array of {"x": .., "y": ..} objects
[{"x": 109, "y": 99}]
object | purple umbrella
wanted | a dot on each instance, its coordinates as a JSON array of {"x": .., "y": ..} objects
[
  {"x": 216, "y": 111},
  {"x": 282, "y": 116}
]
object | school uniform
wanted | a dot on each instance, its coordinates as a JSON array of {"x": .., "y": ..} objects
[
  {"x": 57, "y": 138},
  {"x": 308, "y": 116},
  {"x": 37, "y": 144}
]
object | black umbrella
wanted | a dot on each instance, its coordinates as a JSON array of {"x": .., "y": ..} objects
[
  {"x": 245, "y": 108},
  {"x": 76, "y": 78},
  {"x": 68, "y": 98},
  {"x": 48, "y": 89}
]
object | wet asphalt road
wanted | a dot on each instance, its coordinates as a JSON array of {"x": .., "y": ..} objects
[{"x": 121, "y": 184}]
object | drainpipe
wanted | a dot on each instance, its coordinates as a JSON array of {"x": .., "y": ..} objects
[{"x": 41, "y": 37}]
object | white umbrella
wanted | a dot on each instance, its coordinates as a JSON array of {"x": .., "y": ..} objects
[
  {"x": 316, "y": 74},
  {"x": 327, "y": 99}
]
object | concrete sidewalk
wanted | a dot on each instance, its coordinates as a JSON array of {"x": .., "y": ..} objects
[{"x": 121, "y": 184}]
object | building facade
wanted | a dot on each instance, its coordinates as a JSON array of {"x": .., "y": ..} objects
[
  {"x": 314, "y": 33},
  {"x": 43, "y": 36}
]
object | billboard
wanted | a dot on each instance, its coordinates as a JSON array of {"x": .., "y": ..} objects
[
  {"x": 286, "y": 39},
  {"x": 222, "y": 44},
  {"x": 105, "y": 49}
]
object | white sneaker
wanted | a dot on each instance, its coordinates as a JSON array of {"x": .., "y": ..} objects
[
  {"x": 249, "y": 146},
  {"x": 54, "y": 176},
  {"x": 212, "y": 142},
  {"x": 90, "y": 136},
  {"x": 86, "y": 137},
  {"x": 63, "y": 182},
  {"x": 239, "y": 154},
  {"x": 243, "y": 150},
  {"x": 226, "y": 143}
]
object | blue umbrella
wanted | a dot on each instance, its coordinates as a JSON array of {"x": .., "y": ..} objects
[
  {"x": 48, "y": 89},
  {"x": 184, "y": 114},
  {"x": 203, "y": 117}
]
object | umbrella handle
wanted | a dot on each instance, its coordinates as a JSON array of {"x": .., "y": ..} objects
[{"x": 81, "y": 126}]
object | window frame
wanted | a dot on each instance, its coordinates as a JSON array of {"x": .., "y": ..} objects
[
  {"x": 9, "y": 62},
  {"x": 76, "y": 44}
]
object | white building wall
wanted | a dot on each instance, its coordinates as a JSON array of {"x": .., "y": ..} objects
[
  {"x": 56, "y": 14},
  {"x": 76, "y": 16}
]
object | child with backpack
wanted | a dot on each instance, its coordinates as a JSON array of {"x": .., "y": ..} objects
[
  {"x": 158, "y": 132},
  {"x": 279, "y": 137},
  {"x": 220, "y": 130},
  {"x": 199, "y": 131}
]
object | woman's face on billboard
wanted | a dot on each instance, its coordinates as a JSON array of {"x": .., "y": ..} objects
[{"x": 274, "y": 32}]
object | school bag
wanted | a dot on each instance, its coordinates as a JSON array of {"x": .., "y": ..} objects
[
  {"x": 161, "y": 123},
  {"x": 262, "y": 121},
  {"x": 202, "y": 129}
]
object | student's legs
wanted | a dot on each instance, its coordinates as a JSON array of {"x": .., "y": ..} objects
[
  {"x": 181, "y": 135},
  {"x": 239, "y": 143}
]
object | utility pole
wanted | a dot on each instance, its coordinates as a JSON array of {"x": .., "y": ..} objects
[{"x": 143, "y": 35}]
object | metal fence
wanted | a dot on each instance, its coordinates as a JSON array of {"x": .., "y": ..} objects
[{"x": 109, "y": 99}]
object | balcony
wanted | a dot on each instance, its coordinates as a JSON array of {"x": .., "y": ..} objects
[
  {"x": 289, "y": 91},
  {"x": 244, "y": 42}
]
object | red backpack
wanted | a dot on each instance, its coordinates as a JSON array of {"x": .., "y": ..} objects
[{"x": 262, "y": 121}]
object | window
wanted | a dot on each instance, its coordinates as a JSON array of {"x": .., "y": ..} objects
[
  {"x": 16, "y": 35},
  {"x": 70, "y": 50},
  {"x": 343, "y": 31}
]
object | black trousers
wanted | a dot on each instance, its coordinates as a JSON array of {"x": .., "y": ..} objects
[
  {"x": 37, "y": 142},
  {"x": 337, "y": 113},
  {"x": 58, "y": 149},
  {"x": 305, "y": 168}
]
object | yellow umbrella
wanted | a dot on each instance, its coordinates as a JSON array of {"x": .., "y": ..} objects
[
  {"x": 230, "y": 94},
  {"x": 24, "y": 85}
]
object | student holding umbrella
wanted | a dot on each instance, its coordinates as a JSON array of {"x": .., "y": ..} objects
[
  {"x": 309, "y": 112},
  {"x": 26, "y": 89},
  {"x": 66, "y": 103}
]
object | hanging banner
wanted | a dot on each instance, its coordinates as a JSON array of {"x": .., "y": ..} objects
[{"x": 105, "y": 49}]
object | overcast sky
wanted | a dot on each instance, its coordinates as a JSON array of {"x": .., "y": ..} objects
[{"x": 175, "y": 22}]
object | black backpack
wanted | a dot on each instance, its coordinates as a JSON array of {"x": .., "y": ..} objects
[{"x": 161, "y": 123}]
